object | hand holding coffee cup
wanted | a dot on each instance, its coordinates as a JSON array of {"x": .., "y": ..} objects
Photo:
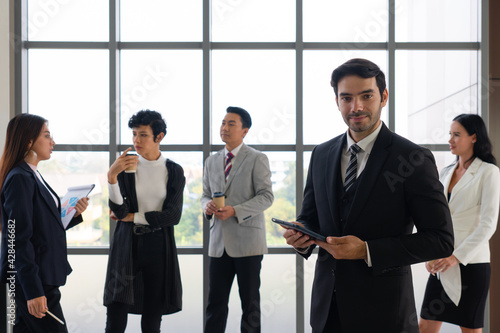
[
  {"x": 219, "y": 199},
  {"x": 121, "y": 164},
  {"x": 132, "y": 168}
]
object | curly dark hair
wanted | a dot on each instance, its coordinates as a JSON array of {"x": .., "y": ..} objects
[{"x": 149, "y": 118}]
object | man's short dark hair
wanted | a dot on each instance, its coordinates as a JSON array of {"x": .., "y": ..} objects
[
  {"x": 246, "y": 120},
  {"x": 151, "y": 118},
  {"x": 360, "y": 67}
]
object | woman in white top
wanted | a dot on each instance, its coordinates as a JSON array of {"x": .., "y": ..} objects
[
  {"x": 458, "y": 285},
  {"x": 143, "y": 274}
]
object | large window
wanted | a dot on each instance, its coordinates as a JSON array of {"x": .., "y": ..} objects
[{"x": 88, "y": 65}]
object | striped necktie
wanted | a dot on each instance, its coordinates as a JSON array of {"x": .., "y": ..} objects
[
  {"x": 229, "y": 157},
  {"x": 350, "y": 174}
]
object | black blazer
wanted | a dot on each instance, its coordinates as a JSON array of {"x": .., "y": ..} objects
[
  {"x": 31, "y": 215},
  {"x": 398, "y": 189},
  {"x": 122, "y": 285}
]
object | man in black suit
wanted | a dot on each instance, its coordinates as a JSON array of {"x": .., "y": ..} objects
[{"x": 368, "y": 198}]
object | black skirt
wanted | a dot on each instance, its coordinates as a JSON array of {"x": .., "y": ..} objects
[{"x": 470, "y": 310}]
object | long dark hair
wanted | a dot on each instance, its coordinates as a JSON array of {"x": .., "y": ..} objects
[
  {"x": 22, "y": 132},
  {"x": 474, "y": 124}
]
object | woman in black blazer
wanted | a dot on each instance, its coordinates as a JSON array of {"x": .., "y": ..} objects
[
  {"x": 143, "y": 270},
  {"x": 33, "y": 252}
]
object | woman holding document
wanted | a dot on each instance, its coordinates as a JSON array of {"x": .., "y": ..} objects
[
  {"x": 458, "y": 285},
  {"x": 145, "y": 197},
  {"x": 33, "y": 254}
]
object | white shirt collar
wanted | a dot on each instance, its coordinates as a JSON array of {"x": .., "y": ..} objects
[
  {"x": 234, "y": 151},
  {"x": 366, "y": 143}
]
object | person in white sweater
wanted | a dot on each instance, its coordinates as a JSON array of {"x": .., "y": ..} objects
[
  {"x": 143, "y": 271},
  {"x": 458, "y": 285}
]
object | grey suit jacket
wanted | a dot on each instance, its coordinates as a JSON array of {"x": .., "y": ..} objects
[{"x": 249, "y": 191}]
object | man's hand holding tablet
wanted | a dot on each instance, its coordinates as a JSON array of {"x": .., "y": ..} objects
[{"x": 300, "y": 228}]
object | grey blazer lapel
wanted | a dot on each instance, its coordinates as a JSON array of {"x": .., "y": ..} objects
[
  {"x": 237, "y": 162},
  {"x": 219, "y": 161}
]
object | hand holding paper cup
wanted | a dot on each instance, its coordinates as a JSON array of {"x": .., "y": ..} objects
[
  {"x": 219, "y": 199},
  {"x": 133, "y": 168}
]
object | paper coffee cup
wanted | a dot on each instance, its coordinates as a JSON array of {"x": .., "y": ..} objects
[
  {"x": 219, "y": 199},
  {"x": 133, "y": 168}
]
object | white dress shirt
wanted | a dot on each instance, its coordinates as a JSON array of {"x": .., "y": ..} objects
[{"x": 366, "y": 145}]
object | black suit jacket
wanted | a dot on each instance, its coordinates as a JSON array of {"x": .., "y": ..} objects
[
  {"x": 31, "y": 225},
  {"x": 122, "y": 284},
  {"x": 398, "y": 189}
]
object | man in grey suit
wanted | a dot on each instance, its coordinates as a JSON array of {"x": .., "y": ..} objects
[{"x": 237, "y": 231}]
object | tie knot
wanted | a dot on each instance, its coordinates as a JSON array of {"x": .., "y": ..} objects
[
  {"x": 354, "y": 149},
  {"x": 229, "y": 156}
]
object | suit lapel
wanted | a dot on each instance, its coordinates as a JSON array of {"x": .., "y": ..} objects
[
  {"x": 220, "y": 178},
  {"x": 447, "y": 179},
  {"x": 466, "y": 178},
  {"x": 371, "y": 172},
  {"x": 334, "y": 181},
  {"x": 236, "y": 163},
  {"x": 47, "y": 197}
]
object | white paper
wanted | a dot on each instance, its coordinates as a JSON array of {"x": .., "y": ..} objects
[
  {"x": 68, "y": 202},
  {"x": 452, "y": 283}
]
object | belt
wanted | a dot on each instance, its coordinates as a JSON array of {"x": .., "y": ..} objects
[{"x": 140, "y": 229}]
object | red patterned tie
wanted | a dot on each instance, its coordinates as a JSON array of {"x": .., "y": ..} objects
[{"x": 229, "y": 157}]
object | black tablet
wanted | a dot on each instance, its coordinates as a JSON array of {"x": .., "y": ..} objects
[{"x": 297, "y": 227}]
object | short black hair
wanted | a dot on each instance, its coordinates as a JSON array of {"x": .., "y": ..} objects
[
  {"x": 246, "y": 120},
  {"x": 360, "y": 67},
  {"x": 151, "y": 118}
]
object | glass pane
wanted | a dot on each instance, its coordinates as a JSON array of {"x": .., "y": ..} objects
[
  {"x": 277, "y": 296},
  {"x": 309, "y": 266},
  {"x": 322, "y": 119},
  {"x": 75, "y": 168},
  {"x": 84, "y": 311},
  {"x": 333, "y": 21},
  {"x": 161, "y": 20},
  {"x": 189, "y": 231},
  {"x": 443, "y": 159},
  {"x": 437, "y": 21},
  {"x": 70, "y": 88},
  {"x": 63, "y": 20},
  {"x": 82, "y": 296},
  {"x": 283, "y": 177},
  {"x": 169, "y": 82},
  {"x": 261, "y": 82},
  {"x": 432, "y": 88},
  {"x": 253, "y": 21}
]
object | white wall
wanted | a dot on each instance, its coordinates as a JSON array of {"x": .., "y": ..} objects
[{"x": 5, "y": 72}]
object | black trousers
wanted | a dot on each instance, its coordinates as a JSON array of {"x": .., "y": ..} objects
[
  {"x": 333, "y": 321},
  {"x": 26, "y": 323},
  {"x": 149, "y": 258},
  {"x": 221, "y": 274}
]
